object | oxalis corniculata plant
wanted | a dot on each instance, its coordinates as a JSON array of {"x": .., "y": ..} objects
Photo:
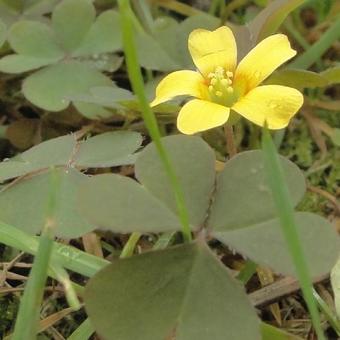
[{"x": 180, "y": 199}]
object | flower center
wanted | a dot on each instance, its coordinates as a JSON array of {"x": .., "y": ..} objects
[{"x": 220, "y": 87}]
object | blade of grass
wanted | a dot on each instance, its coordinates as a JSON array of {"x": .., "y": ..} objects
[
  {"x": 26, "y": 326},
  {"x": 276, "y": 181},
  {"x": 149, "y": 118},
  {"x": 328, "y": 313},
  {"x": 66, "y": 256},
  {"x": 83, "y": 332},
  {"x": 308, "y": 58}
]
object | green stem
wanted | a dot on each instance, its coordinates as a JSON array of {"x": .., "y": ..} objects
[
  {"x": 276, "y": 181},
  {"x": 147, "y": 114},
  {"x": 26, "y": 326},
  {"x": 130, "y": 245}
]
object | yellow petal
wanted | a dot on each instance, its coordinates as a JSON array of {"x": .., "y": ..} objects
[
  {"x": 200, "y": 115},
  {"x": 273, "y": 104},
  {"x": 180, "y": 83},
  {"x": 261, "y": 61},
  {"x": 210, "y": 49}
]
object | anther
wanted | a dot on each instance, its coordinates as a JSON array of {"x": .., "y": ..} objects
[
  {"x": 225, "y": 82},
  {"x": 218, "y": 93},
  {"x": 230, "y": 74},
  {"x": 211, "y": 75},
  {"x": 211, "y": 88},
  {"x": 230, "y": 89},
  {"x": 213, "y": 81}
]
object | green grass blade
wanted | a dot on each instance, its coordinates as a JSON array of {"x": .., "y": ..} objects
[
  {"x": 66, "y": 256},
  {"x": 83, "y": 332},
  {"x": 308, "y": 58},
  {"x": 150, "y": 121},
  {"x": 26, "y": 326},
  {"x": 285, "y": 211}
]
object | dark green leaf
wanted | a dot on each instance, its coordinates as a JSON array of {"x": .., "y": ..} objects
[
  {"x": 243, "y": 197},
  {"x": 34, "y": 39},
  {"x": 51, "y": 87},
  {"x": 265, "y": 244},
  {"x": 194, "y": 163},
  {"x": 72, "y": 20},
  {"x": 23, "y": 204},
  {"x": 104, "y": 36},
  {"x": 108, "y": 149},
  {"x": 184, "y": 294},
  {"x": 122, "y": 205}
]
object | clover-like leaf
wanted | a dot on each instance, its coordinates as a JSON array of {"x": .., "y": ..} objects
[
  {"x": 108, "y": 149},
  {"x": 34, "y": 39},
  {"x": 104, "y": 36},
  {"x": 16, "y": 63},
  {"x": 122, "y": 205},
  {"x": 184, "y": 294},
  {"x": 264, "y": 243},
  {"x": 51, "y": 87},
  {"x": 72, "y": 20},
  {"x": 242, "y": 187},
  {"x": 105, "y": 150},
  {"x": 107, "y": 96},
  {"x": 244, "y": 217},
  {"x": 194, "y": 164},
  {"x": 23, "y": 205}
]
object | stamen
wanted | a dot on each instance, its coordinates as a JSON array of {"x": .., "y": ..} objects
[
  {"x": 218, "y": 93},
  {"x": 225, "y": 82},
  {"x": 211, "y": 88},
  {"x": 230, "y": 89},
  {"x": 213, "y": 81},
  {"x": 230, "y": 74}
]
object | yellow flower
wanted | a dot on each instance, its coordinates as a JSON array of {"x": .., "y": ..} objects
[{"x": 220, "y": 85}]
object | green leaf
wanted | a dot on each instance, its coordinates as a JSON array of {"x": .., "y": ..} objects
[
  {"x": 265, "y": 244},
  {"x": 16, "y": 63},
  {"x": 23, "y": 204},
  {"x": 194, "y": 162},
  {"x": 332, "y": 75},
  {"x": 298, "y": 78},
  {"x": 53, "y": 152},
  {"x": 184, "y": 294},
  {"x": 108, "y": 149},
  {"x": 104, "y": 150},
  {"x": 12, "y": 169},
  {"x": 242, "y": 187},
  {"x": 34, "y": 39},
  {"x": 151, "y": 54},
  {"x": 92, "y": 111},
  {"x": 270, "y": 19},
  {"x": 108, "y": 96},
  {"x": 122, "y": 205},
  {"x": 51, "y": 87},
  {"x": 264, "y": 24},
  {"x": 104, "y": 36},
  {"x": 270, "y": 332},
  {"x": 3, "y": 33},
  {"x": 72, "y": 20}
]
